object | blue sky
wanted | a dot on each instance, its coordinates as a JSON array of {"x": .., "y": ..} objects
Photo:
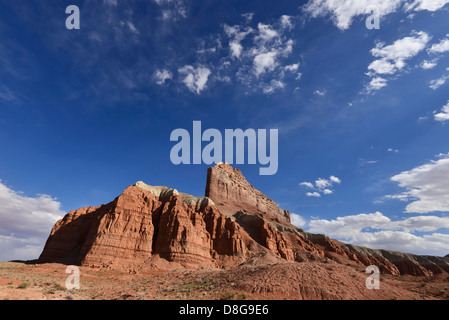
[{"x": 85, "y": 113}]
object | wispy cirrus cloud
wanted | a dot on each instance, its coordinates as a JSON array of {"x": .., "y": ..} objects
[
  {"x": 262, "y": 65},
  {"x": 172, "y": 10},
  {"x": 254, "y": 55},
  {"x": 6, "y": 94}
]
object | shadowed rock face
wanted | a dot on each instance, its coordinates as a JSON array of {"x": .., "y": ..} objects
[{"x": 149, "y": 226}]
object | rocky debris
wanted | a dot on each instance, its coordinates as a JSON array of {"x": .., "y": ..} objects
[{"x": 159, "y": 227}]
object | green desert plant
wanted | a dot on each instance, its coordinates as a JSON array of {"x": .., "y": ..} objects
[
  {"x": 228, "y": 295},
  {"x": 23, "y": 285},
  {"x": 242, "y": 296}
]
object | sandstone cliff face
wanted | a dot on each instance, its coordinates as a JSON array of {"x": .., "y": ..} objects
[
  {"x": 230, "y": 191},
  {"x": 141, "y": 224},
  {"x": 234, "y": 223}
]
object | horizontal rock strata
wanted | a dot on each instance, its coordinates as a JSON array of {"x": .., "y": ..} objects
[{"x": 232, "y": 224}]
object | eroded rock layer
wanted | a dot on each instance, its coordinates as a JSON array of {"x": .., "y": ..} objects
[
  {"x": 235, "y": 223},
  {"x": 141, "y": 224}
]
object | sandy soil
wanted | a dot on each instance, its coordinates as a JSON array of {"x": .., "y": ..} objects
[{"x": 276, "y": 281}]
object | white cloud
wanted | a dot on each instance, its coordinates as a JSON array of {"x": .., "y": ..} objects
[
  {"x": 392, "y": 58},
  {"x": 320, "y": 92},
  {"x": 322, "y": 183},
  {"x": 375, "y": 230},
  {"x": 162, "y": 75},
  {"x": 420, "y": 223},
  {"x": 223, "y": 78},
  {"x": 428, "y": 5},
  {"x": 321, "y": 186},
  {"x": 441, "y": 155},
  {"x": 307, "y": 185},
  {"x": 255, "y": 56},
  {"x": 261, "y": 55},
  {"x": 266, "y": 57},
  {"x": 286, "y": 22},
  {"x": 248, "y": 16},
  {"x": 237, "y": 34},
  {"x": 393, "y": 150},
  {"x": 427, "y": 187},
  {"x": 273, "y": 86},
  {"x": 343, "y": 12},
  {"x": 292, "y": 67},
  {"x": 130, "y": 26},
  {"x": 195, "y": 78},
  {"x": 440, "y": 47},
  {"x": 348, "y": 226},
  {"x": 376, "y": 84},
  {"x": 266, "y": 33},
  {"x": 297, "y": 220},
  {"x": 252, "y": 54},
  {"x": 265, "y": 62},
  {"x": 335, "y": 179},
  {"x": 383, "y": 66},
  {"x": 435, "y": 84},
  {"x": 426, "y": 64},
  {"x": 443, "y": 115},
  {"x": 236, "y": 49},
  {"x": 423, "y": 118},
  {"x": 25, "y": 223},
  {"x": 362, "y": 162}
]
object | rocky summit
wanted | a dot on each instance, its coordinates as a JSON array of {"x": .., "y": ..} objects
[{"x": 149, "y": 227}]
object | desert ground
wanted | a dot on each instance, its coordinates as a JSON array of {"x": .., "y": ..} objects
[{"x": 277, "y": 281}]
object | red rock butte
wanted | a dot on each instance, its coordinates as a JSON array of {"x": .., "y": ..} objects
[{"x": 158, "y": 227}]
